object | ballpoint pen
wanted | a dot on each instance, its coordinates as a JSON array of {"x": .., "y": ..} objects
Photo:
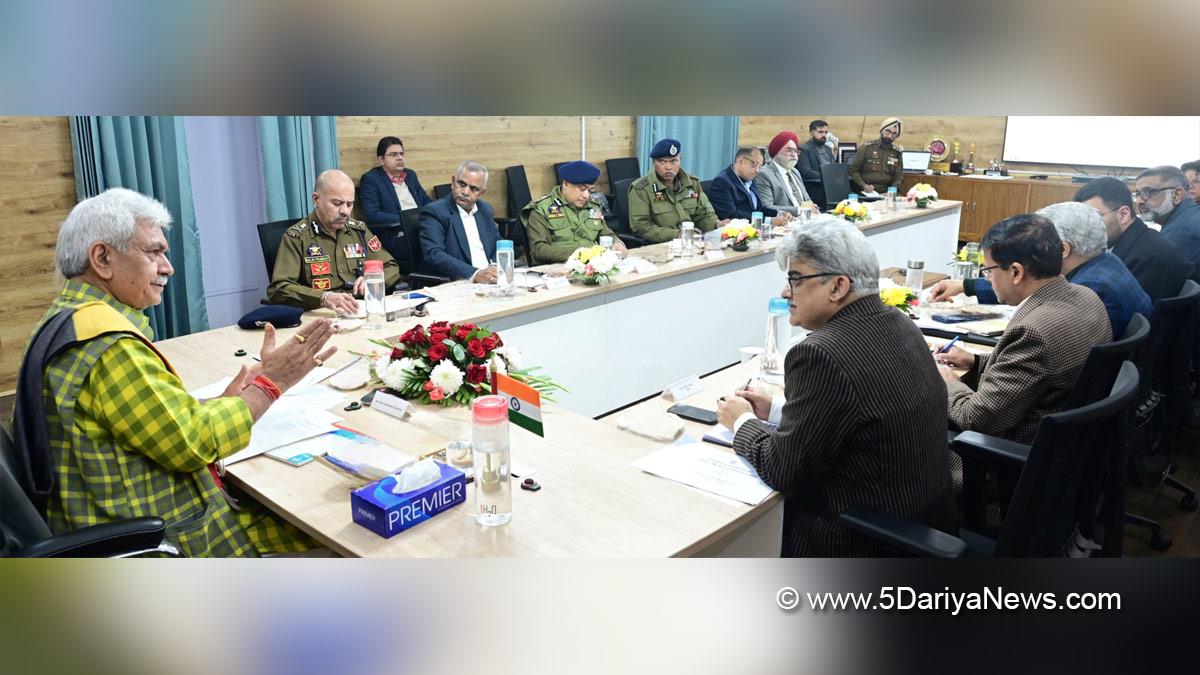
[{"x": 948, "y": 345}]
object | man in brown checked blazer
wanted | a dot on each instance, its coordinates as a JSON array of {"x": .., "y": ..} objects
[
  {"x": 1039, "y": 356},
  {"x": 863, "y": 419}
]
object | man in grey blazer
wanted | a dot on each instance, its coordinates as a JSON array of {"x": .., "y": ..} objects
[
  {"x": 1038, "y": 358},
  {"x": 862, "y": 420},
  {"x": 779, "y": 184}
]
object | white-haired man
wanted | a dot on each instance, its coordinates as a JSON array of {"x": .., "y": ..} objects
[
  {"x": 104, "y": 427},
  {"x": 839, "y": 443}
]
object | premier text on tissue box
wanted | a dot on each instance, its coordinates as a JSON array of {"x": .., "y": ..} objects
[{"x": 376, "y": 508}]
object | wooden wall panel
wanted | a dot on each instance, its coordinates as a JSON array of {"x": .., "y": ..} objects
[
  {"x": 435, "y": 146},
  {"x": 37, "y": 190}
]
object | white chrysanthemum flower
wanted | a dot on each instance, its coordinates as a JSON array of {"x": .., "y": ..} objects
[
  {"x": 603, "y": 264},
  {"x": 511, "y": 358},
  {"x": 447, "y": 377},
  {"x": 573, "y": 265},
  {"x": 397, "y": 373},
  {"x": 379, "y": 363}
]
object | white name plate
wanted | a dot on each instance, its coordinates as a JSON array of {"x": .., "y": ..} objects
[
  {"x": 556, "y": 282},
  {"x": 390, "y": 404},
  {"x": 688, "y": 386},
  {"x": 713, "y": 256}
]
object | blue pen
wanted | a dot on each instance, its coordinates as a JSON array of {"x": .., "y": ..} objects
[{"x": 949, "y": 344}]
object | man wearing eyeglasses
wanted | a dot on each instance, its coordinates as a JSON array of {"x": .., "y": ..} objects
[
  {"x": 1038, "y": 358},
  {"x": 1160, "y": 195},
  {"x": 732, "y": 191},
  {"x": 878, "y": 165},
  {"x": 780, "y": 186},
  {"x": 390, "y": 188},
  {"x": 1155, "y": 262},
  {"x": 1191, "y": 171},
  {"x": 320, "y": 259}
]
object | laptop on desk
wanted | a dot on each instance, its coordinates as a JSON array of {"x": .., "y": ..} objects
[{"x": 914, "y": 161}]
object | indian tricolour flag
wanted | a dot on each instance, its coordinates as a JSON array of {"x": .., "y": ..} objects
[{"x": 524, "y": 403}]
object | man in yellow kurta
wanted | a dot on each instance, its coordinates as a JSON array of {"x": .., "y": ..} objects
[{"x": 104, "y": 428}]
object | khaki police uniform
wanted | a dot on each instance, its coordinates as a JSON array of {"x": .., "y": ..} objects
[
  {"x": 311, "y": 262},
  {"x": 655, "y": 210},
  {"x": 878, "y": 166},
  {"x": 555, "y": 228}
]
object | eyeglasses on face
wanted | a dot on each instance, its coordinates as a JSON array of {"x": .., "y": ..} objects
[
  {"x": 394, "y": 155},
  {"x": 987, "y": 271},
  {"x": 794, "y": 280},
  {"x": 1147, "y": 193}
]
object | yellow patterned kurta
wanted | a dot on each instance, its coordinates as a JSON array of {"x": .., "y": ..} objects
[{"x": 128, "y": 440}]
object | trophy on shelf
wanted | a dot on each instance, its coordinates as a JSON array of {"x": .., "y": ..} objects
[
  {"x": 956, "y": 163},
  {"x": 970, "y": 167}
]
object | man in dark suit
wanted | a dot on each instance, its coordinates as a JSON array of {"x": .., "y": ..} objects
[
  {"x": 814, "y": 154},
  {"x": 389, "y": 188},
  {"x": 862, "y": 419},
  {"x": 458, "y": 231},
  {"x": 1038, "y": 358},
  {"x": 1160, "y": 195},
  {"x": 1155, "y": 262},
  {"x": 732, "y": 192}
]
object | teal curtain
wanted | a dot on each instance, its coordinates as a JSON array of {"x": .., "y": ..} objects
[
  {"x": 294, "y": 150},
  {"x": 708, "y": 142},
  {"x": 149, "y": 155}
]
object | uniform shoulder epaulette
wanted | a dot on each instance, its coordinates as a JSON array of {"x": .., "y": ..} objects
[
  {"x": 297, "y": 229},
  {"x": 356, "y": 224}
]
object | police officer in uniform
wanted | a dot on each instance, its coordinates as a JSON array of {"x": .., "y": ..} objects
[
  {"x": 320, "y": 259},
  {"x": 877, "y": 165},
  {"x": 667, "y": 196},
  {"x": 568, "y": 217}
]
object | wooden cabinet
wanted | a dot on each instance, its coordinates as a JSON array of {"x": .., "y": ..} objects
[{"x": 986, "y": 202}]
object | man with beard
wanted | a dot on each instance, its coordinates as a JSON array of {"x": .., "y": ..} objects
[
  {"x": 878, "y": 165},
  {"x": 1160, "y": 195},
  {"x": 321, "y": 257},
  {"x": 668, "y": 196},
  {"x": 779, "y": 184},
  {"x": 814, "y": 154}
]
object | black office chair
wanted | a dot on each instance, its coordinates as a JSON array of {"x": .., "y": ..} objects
[
  {"x": 270, "y": 235},
  {"x": 24, "y": 534},
  {"x": 621, "y": 224},
  {"x": 404, "y": 243},
  {"x": 622, "y": 168},
  {"x": 1162, "y": 402},
  {"x": 441, "y": 190},
  {"x": 705, "y": 185},
  {"x": 558, "y": 179},
  {"x": 835, "y": 178},
  {"x": 1102, "y": 493},
  {"x": 1042, "y": 514}
]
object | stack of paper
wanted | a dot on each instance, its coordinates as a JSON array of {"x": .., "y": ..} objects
[{"x": 709, "y": 469}]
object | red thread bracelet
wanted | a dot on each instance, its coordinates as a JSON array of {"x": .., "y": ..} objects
[{"x": 268, "y": 387}]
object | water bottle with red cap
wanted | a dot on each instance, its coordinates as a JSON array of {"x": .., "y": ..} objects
[
  {"x": 374, "y": 293},
  {"x": 489, "y": 440}
]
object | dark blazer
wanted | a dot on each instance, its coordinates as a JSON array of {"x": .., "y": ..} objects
[
  {"x": 444, "y": 241},
  {"x": 1155, "y": 262},
  {"x": 1182, "y": 228},
  {"x": 380, "y": 204},
  {"x": 1034, "y": 365},
  {"x": 864, "y": 423},
  {"x": 809, "y": 165},
  {"x": 731, "y": 199}
]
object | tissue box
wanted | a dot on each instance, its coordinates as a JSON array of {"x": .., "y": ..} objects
[{"x": 376, "y": 508}]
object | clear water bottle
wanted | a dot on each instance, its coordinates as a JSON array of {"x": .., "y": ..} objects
[
  {"x": 374, "y": 293},
  {"x": 489, "y": 443},
  {"x": 756, "y": 221},
  {"x": 853, "y": 197},
  {"x": 892, "y": 197},
  {"x": 778, "y": 338},
  {"x": 687, "y": 233},
  {"x": 504, "y": 267},
  {"x": 914, "y": 278}
]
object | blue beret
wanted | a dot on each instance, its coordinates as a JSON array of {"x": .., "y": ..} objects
[
  {"x": 279, "y": 316},
  {"x": 579, "y": 172},
  {"x": 667, "y": 147}
]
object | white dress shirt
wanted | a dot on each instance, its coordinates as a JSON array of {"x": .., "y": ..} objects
[
  {"x": 474, "y": 243},
  {"x": 773, "y": 417},
  {"x": 406, "y": 199}
]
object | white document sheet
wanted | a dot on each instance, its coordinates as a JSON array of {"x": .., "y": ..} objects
[{"x": 707, "y": 468}]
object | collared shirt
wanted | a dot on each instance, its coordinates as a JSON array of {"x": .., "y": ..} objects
[
  {"x": 128, "y": 440},
  {"x": 753, "y": 194},
  {"x": 792, "y": 183},
  {"x": 474, "y": 243},
  {"x": 406, "y": 199}
]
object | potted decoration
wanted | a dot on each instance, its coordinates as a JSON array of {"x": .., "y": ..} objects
[
  {"x": 900, "y": 297},
  {"x": 593, "y": 265},
  {"x": 738, "y": 234},
  {"x": 922, "y": 194},
  {"x": 451, "y": 363},
  {"x": 854, "y": 212}
]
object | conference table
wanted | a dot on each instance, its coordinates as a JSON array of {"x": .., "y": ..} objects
[{"x": 612, "y": 346}]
